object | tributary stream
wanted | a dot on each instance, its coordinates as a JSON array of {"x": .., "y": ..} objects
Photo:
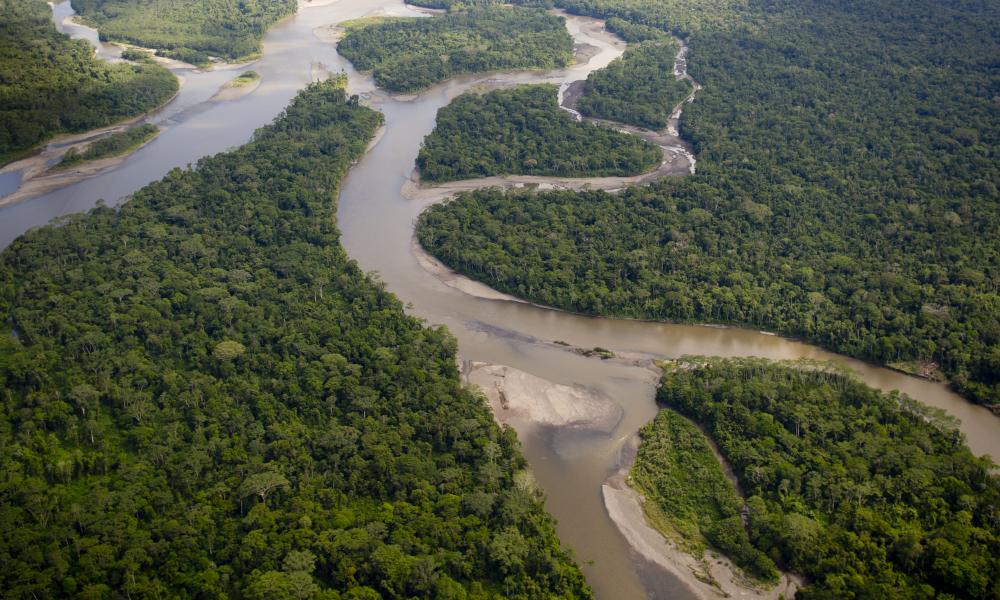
[{"x": 377, "y": 225}]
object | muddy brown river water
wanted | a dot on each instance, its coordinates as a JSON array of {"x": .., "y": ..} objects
[{"x": 377, "y": 224}]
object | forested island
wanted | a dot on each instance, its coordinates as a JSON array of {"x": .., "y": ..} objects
[
  {"x": 204, "y": 397},
  {"x": 115, "y": 144},
  {"x": 846, "y": 190},
  {"x": 189, "y": 30},
  {"x": 522, "y": 130},
  {"x": 50, "y": 84},
  {"x": 410, "y": 54},
  {"x": 866, "y": 494}
]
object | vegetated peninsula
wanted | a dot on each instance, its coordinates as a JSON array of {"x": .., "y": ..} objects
[
  {"x": 867, "y": 494},
  {"x": 522, "y": 130},
  {"x": 116, "y": 144},
  {"x": 187, "y": 30},
  {"x": 839, "y": 197},
  {"x": 50, "y": 84},
  {"x": 204, "y": 397},
  {"x": 410, "y": 54}
]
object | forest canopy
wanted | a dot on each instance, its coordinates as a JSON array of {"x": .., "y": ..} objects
[
  {"x": 204, "y": 397},
  {"x": 846, "y": 190},
  {"x": 50, "y": 84},
  {"x": 638, "y": 88},
  {"x": 116, "y": 144},
  {"x": 866, "y": 494},
  {"x": 522, "y": 130},
  {"x": 411, "y": 54},
  {"x": 688, "y": 497},
  {"x": 189, "y": 30}
]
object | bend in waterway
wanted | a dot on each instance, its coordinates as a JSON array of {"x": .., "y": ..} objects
[{"x": 377, "y": 225}]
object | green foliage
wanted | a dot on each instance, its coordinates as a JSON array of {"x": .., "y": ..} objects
[
  {"x": 338, "y": 456},
  {"x": 245, "y": 78},
  {"x": 136, "y": 55},
  {"x": 637, "y": 88},
  {"x": 681, "y": 17},
  {"x": 113, "y": 145},
  {"x": 188, "y": 30},
  {"x": 452, "y": 4},
  {"x": 869, "y": 495},
  {"x": 50, "y": 84},
  {"x": 188, "y": 55},
  {"x": 408, "y": 55},
  {"x": 634, "y": 33},
  {"x": 522, "y": 130},
  {"x": 676, "y": 470},
  {"x": 846, "y": 191}
]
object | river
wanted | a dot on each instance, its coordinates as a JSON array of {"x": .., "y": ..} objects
[{"x": 377, "y": 225}]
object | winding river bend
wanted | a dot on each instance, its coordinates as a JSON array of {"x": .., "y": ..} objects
[{"x": 377, "y": 224}]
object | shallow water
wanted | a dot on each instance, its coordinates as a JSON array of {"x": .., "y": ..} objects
[
  {"x": 377, "y": 225},
  {"x": 9, "y": 182}
]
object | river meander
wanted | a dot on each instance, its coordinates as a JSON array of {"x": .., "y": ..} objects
[{"x": 377, "y": 224}]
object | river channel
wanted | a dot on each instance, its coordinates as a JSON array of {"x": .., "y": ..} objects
[{"x": 377, "y": 224}]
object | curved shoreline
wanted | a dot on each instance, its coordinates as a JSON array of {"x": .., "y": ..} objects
[
  {"x": 37, "y": 176},
  {"x": 706, "y": 579},
  {"x": 495, "y": 331},
  {"x": 228, "y": 91},
  {"x": 678, "y": 159},
  {"x": 710, "y": 577}
]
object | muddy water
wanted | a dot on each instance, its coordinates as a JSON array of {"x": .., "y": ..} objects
[{"x": 377, "y": 224}]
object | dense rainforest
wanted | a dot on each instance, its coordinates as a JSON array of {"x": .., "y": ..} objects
[
  {"x": 204, "y": 397},
  {"x": 50, "y": 84},
  {"x": 409, "y": 54},
  {"x": 522, "y": 130},
  {"x": 846, "y": 190},
  {"x": 188, "y": 30},
  {"x": 116, "y": 144},
  {"x": 688, "y": 497},
  {"x": 637, "y": 88},
  {"x": 867, "y": 494}
]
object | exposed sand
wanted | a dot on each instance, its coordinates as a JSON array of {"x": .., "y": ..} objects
[
  {"x": 38, "y": 179},
  {"x": 379, "y": 133},
  {"x": 516, "y": 396},
  {"x": 228, "y": 91},
  {"x": 677, "y": 156},
  {"x": 582, "y": 53},
  {"x": 456, "y": 280},
  {"x": 314, "y": 3},
  {"x": 709, "y": 577},
  {"x": 329, "y": 34}
]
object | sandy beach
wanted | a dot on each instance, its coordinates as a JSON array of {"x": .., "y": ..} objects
[
  {"x": 519, "y": 397},
  {"x": 228, "y": 91},
  {"x": 709, "y": 577}
]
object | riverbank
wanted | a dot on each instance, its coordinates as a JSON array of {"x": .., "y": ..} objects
[
  {"x": 234, "y": 91},
  {"x": 519, "y": 398},
  {"x": 454, "y": 279},
  {"x": 710, "y": 577},
  {"x": 37, "y": 175},
  {"x": 678, "y": 158}
]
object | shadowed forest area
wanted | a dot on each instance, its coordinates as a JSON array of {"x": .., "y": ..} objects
[{"x": 50, "y": 84}]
